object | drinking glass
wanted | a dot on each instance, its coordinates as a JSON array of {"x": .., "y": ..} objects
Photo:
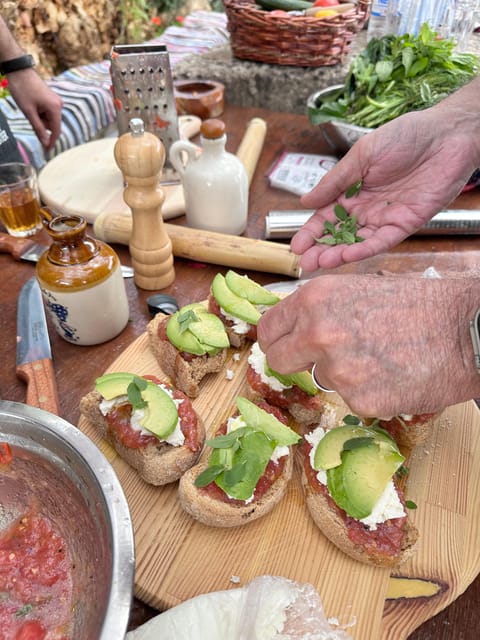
[{"x": 19, "y": 199}]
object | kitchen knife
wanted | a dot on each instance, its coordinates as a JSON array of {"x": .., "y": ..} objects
[
  {"x": 28, "y": 249},
  {"x": 34, "y": 357}
]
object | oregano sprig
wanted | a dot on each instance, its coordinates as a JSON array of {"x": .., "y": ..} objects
[
  {"x": 344, "y": 229},
  {"x": 134, "y": 392}
]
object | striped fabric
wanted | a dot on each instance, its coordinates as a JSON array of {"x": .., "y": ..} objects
[{"x": 86, "y": 90}]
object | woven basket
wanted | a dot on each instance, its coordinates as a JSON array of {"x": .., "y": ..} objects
[{"x": 302, "y": 41}]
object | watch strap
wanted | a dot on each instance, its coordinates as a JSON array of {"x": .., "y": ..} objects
[
  {"x": 17, "y": 64},
  {"x": 475, "y": 335}
]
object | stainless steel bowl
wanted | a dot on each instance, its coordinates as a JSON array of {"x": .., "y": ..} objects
[
  {"x": 340, "y": 135},
  {"x": 78, "y": 490}
]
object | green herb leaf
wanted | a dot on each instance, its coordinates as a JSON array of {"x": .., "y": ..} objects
[
  {"x": 208, "y": 475},
  {"x": 228, "y": 440},
  {"x": 24, "y": 610},
  {"x": 134, "y": 393},
  {"x": 340, "y": 212},
  {"x": 357, "y": 443},
  {"x": 351, "y": 420},
  {"x": 353, "y": 189},
  {"x": 410, "y": 504},
  {"x": 186, "y": 318},
  {"x": 402, "y": 471},
  {"x": 236, "y": 474}
]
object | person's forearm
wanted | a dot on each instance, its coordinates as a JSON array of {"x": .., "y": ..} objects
[
  {"x": 458, "y": 115},
  {"x": 9, "y": 48}
]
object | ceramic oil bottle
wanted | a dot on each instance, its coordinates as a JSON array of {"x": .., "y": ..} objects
[
  {"x": 82, "y": 284},
  {"x": 215, "y": 182}
]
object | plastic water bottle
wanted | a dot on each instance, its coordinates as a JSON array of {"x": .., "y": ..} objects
[{"x": 378, "y": 19}]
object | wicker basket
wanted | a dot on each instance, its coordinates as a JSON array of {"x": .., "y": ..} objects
[{"x": 302, "y": 41}]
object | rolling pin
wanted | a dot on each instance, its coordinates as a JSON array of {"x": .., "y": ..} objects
[
  {"x": 209, "y": 246},
  {"x": 251, "y": 145}
]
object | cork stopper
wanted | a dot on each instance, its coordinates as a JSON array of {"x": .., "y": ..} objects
[{"x": 212, "y": 129}]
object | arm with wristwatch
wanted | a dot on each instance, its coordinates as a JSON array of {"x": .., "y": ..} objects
[
  {"x": 41, "y": 105},
  {"x": 387, "y": 344}
]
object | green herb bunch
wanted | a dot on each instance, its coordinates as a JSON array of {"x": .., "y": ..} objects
[
  {"x": 394, "y": 75},
  {"x": 344, "y": 229}
]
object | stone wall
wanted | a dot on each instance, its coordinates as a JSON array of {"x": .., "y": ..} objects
[{"x": 63, "y": 33}]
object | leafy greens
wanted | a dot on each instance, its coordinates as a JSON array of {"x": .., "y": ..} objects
[{"x": 394, "y": 75}]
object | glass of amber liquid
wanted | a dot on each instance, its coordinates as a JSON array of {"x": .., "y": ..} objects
[{"x": 19, "y": 199}]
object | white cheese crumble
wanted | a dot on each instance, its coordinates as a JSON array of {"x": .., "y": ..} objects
[
  {"x": 176, "y": 438},
  {"x": 236, "y": 356},
  {"x": 239, "y": 326},
  {"x": 229, "y": 374},
  {"x": 257, "y": 361},
  {"x": 387, "y": 507}
]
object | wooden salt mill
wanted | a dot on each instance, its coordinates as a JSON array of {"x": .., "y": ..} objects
[{"x": 140, "y": 155}]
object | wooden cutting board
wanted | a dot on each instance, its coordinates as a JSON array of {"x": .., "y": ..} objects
[
  {"x": 86, "y": 181},
  {"x": 178, "y": 558}
]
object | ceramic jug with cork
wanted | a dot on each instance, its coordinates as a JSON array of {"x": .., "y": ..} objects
[
  {"x": 82, "y": 284},
  {"x": 215, "y": 182}
]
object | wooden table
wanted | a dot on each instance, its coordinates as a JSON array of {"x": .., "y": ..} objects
[{"x": 76, "y": 366}]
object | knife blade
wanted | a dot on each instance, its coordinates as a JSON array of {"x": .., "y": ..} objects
[
  {"x": 34, "y": 356},
  {"x": 28, "y": 249}
]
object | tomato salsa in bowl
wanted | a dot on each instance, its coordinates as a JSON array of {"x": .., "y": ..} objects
[{"x": 66, "y": 541}]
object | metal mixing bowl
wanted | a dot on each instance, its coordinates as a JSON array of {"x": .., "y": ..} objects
[
  {"x": 340, "y": 135},
  {"x": 58, "y": 466}
]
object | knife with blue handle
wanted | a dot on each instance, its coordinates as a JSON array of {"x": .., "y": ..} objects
[{"x": 34, "y": 356}]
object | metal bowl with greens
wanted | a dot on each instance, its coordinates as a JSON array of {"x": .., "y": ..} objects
[{"x": 392, "y": 76}]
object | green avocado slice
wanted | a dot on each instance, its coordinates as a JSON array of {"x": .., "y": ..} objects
[
  {"x": 244, "y": 287},
  {"x": 357, "y": 483},
  {"x": 160, "y": 411},
  {"x": 233, "y": 304}
]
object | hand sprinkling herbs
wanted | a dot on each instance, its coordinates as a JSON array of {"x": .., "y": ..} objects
[{"x": 344, "y": 229}]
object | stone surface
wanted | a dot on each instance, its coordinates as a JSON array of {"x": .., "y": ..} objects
[{"x": 275, "y": 87}]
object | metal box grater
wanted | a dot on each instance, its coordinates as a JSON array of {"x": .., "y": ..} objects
[{"x": 143, "y": 88}]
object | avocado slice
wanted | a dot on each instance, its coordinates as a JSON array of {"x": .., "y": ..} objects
[
  {"x": 161, "y": 415},
  {"x": 233, "y": 304},
  {"x": 329, "y": 449},
  {"x": 209, "y": 330},
  {"x": 261, "y": 420},
  {"x": 183, "y": 340},
  {"x": 302, "y": 379},
  {"x": 244, "y": 287},
  {"x": 357, "y": 484}
]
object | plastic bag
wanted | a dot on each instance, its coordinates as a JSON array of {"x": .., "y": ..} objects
[{"x": 268, "y": 608}]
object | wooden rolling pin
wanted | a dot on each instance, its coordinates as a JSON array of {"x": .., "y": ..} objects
[
  {"x": 251, "y": 145},
  {"x": 209, "y": 246}
]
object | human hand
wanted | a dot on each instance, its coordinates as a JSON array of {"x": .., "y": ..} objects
[
  {"x": 386, "y": 344},
  {"x": 41, "y": 105},
  {"x": 410, "y": 169}
]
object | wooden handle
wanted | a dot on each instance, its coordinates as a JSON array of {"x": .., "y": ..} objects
[
  {"x": 209, "y": 246},
  {"x": 15, "y": 246},
  {"x": 41, "y": 384},
  {"x": 251, "y": 145}
]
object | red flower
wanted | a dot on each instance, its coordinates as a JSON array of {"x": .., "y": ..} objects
[
  {"x": 156, "y": 20},
  {"x": 4, "y": 83},
  {"x": 180, "y": 19}
]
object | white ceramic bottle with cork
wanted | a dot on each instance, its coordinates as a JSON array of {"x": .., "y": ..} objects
[{"x": 215, "y": 182}]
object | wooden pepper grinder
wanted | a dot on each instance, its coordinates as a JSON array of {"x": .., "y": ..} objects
[{"x": 140, "y": 155}]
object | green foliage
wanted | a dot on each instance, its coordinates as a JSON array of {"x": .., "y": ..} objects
[{"x": 397, "y": 74}]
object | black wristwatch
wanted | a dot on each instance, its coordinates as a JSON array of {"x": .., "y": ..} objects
[
  {"x": 17, "y": 64},
  {"x": 475, "y": 334}
]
